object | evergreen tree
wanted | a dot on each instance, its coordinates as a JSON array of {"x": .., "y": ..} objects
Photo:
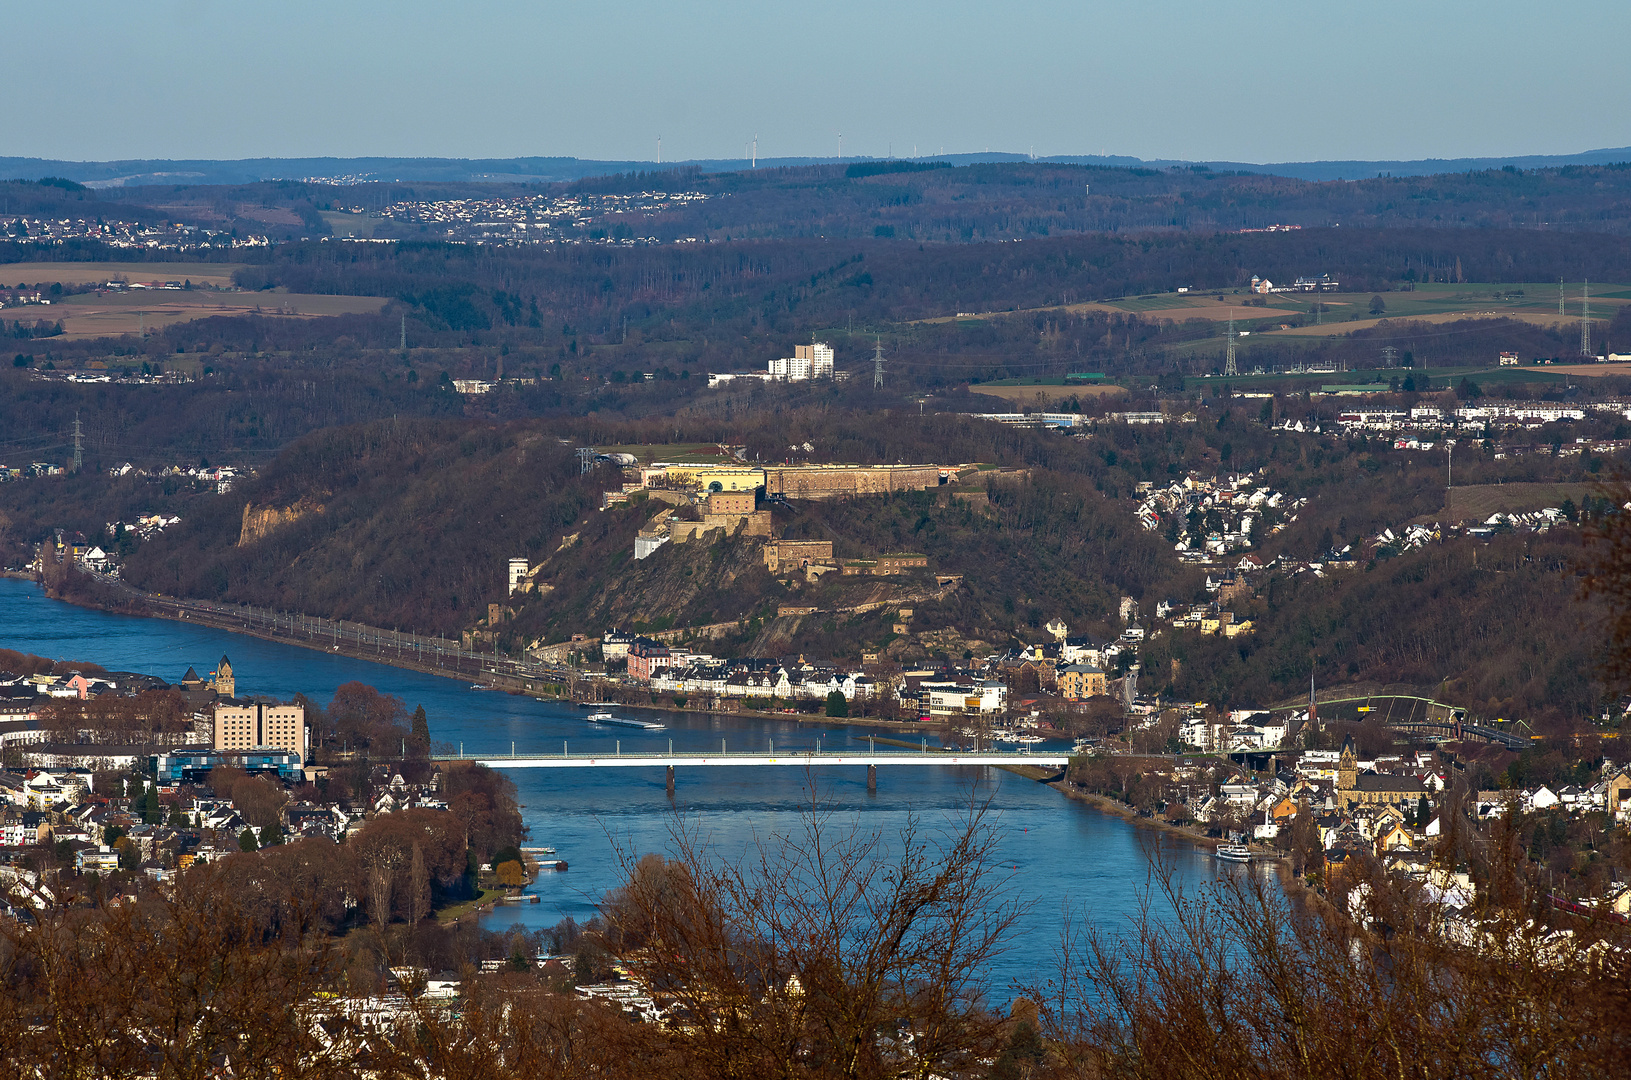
[
  {"x": 272, "y": 834},
  {"x": 1424, "y": 812},
  {"x": 246, "y": 840},
  {"x": 419, "y": 733},
  {"x": 837, "y": 704},
  {"x": 1022, "y": 1057},
  {"x": 152, "y": 812}
]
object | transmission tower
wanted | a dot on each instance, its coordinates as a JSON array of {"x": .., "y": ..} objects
[
  {"x": 1585, "y": 318},
  {"x": 586, "y": 459},
  {"x": 1229, "y": 359},
  {"x": 404, "y": 333},
  {"x": 1560, "y": 312},
  {"x": 79, "y": 444},
  {"x": 1390, "y": 356},
  {"x": 877, "y": 365}
]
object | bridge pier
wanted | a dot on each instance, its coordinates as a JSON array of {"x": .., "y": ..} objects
[
  {"x": 871, "y": 779},
  {"x": 671, "y": 781}
]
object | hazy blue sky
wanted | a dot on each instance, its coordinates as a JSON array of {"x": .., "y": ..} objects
[{"x": 1269, "y": 81}]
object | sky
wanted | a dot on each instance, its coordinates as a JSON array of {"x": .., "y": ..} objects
[{"x": 1268, "y": 82}]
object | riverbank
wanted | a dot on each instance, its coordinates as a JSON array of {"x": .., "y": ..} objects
[
  {"x": 910, "y": 726},
  {"x": 1118, "y": 809},
  {"x": 388, "y": 647}
]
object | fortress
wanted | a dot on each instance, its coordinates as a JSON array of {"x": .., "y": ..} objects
[{"x": 839, "y": 481}]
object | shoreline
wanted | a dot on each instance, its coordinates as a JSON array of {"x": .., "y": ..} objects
[
  {"x": 1112, "y": 808},
  {"x": 491, "y": 681}
]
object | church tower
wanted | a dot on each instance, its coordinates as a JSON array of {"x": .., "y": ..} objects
[
  {"x": 1347, "y": 771},
  {"x": 225, "y": 685}
]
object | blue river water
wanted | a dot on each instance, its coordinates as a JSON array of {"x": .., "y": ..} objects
[{"x": 1063, "y": 858}]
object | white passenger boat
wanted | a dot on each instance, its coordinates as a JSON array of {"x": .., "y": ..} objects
[{"x": 623, "y": 721}]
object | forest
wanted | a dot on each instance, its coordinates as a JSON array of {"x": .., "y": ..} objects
[
  {"x": 977, "y": 202},
  {"x": 397, "y": 499},
  {"x": 409, "y": 523}
]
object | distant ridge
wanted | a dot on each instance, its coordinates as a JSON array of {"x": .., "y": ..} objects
[{"x": 133, "y": 173}]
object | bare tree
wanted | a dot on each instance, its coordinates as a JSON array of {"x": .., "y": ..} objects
[
  {"x": 380, "y": 868},
  {"x": 418, "y": 886},
  {"x": 832, "y": 951},
  {"x": 1239, "y": 980}
]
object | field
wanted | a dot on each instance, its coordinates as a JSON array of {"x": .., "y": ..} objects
[
  {"x": 1347, "y": 312},
  {"x": 112, "y": 314},
  {"x": 343, "y": 225},
  {"x": 95, "y": 273},
  {"x": 1478, "y": 502}
]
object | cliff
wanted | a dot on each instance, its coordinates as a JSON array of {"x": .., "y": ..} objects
[{"x": 258, "y": 521}]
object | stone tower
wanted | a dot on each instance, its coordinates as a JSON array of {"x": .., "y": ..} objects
[
  {"x": 1347, "y": 770},
  {"x": 225, "y": 685}
]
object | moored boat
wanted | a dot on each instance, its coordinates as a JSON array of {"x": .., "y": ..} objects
[{"x": 623, "y": 721}]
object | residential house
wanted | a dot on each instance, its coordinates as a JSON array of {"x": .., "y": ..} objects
[{"x": 1078, "y": 681}]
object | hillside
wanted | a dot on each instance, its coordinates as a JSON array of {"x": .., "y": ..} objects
[{"x": 410, "y": 524}]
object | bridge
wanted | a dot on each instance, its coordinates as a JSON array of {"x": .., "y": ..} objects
[
  {"x": 1450, "y": 723},
  {"x": 801, "y": 759}
]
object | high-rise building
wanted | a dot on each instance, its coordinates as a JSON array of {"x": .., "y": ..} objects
[
  {"x": 813, "y": 361},
  {"x": 243, "y": 725}
]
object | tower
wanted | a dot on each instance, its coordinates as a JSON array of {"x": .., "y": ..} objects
[
  {"x": 586, "y": 459},
  {"x": 1347, "y": 773},
  {"x": 404, "y": 346},
  {"x": 1586, "y": 325},
  {"x": 1560, "y": 312},
  {"x": 225, "y": 684},
  {"x": 1313, "y": 711},
  {"x": 1229, "y": 360},
  {"x": 79, "y": 444},
  {"x": 877, "y": 365}
]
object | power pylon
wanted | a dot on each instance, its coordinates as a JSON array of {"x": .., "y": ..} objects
[
  {"x": 1585, "y": 318},
  {"x": 1229, "y": 358},
  {"x": 877, "y": 365},
  {"x": 79, "y": 444}
]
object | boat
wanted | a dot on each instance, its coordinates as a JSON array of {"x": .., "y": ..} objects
[
  {"x": 623, "y": 721},
  {"x": 1029, "y": 740},
  {"x": 552, "y": 864},
  {"x": 514, "y": 898},
  {"x": 1234, "y": 852}
]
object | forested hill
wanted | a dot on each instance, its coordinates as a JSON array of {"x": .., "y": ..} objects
[
  {"x": 410, "y": 524},
  {"x": 901, "y": 200}
]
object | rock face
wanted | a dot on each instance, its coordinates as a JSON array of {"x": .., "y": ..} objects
[{"x": 261, "y": 520}]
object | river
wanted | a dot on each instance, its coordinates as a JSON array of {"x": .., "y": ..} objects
[{"x": 1060, "y": 856}]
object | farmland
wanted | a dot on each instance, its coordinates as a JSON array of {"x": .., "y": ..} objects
[
  {"x": 215, "y": 274},
  {"x": 112, "y": 314}
]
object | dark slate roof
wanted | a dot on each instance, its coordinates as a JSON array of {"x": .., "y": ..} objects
[{"x": 1387, "y": 782}]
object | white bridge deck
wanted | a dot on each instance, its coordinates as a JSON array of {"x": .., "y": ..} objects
[{"x": 794, "y": 760}]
